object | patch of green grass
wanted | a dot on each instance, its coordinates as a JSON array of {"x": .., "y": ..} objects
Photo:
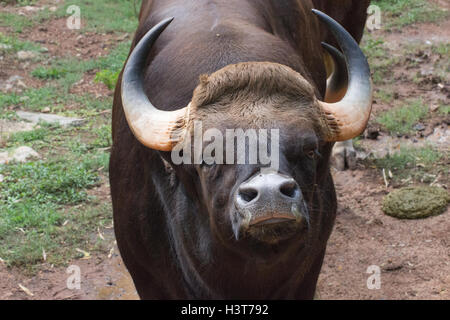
[
  {"x": 43, "y": 134},
  {"x": 444, "y": 109},
  {"x": 442, "y": 65},
  {"x": 115, "y": 59},
  {"x": 408, "y": 158},
  {"x": 419, "y": 164},
  {"x": 20, "y": 2},
  {"x": 15, "y": 22},
  {"x": 103, "y": 137},
  {"x": 105, "y": 16},
  {"x": 48, "y": 73},
  {"x": 30, "y": 229},
  {"x": 380, "y": 59},
  {"x": 401, "y": 13},
  {"x": 58, "y": 181},
  {"x": 374, "y": 47},
  {"x": 28, "y": 136},
  {"x": 37, "y": 209},
  {"x": 70, "y": 70},
  {"x": 58, "y": 100},
  {"x": 384, "y": 96},
  {"x": 108, "y": 77},
  {"x": 401, "y": 120},
  {"x": 442, "y": 48},
  {"x": 66, "y": 71},
  {"x": 17, "y": 45},
  {"x": 46, "y": 204},
  {"x": 33, "y": 99},
  {"x": 18, "y": 23}
]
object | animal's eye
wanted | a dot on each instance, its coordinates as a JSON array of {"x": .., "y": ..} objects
[{"x": 311, "y": 153}]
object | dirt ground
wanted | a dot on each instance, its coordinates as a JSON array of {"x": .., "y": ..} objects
[{"x": 413, "y": 256}]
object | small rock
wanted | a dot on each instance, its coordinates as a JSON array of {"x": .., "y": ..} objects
[
  {"x": 46, "y": 110},
  {"x": 428, "y": 132},
  {"x": 123, "y": 37},
  {"x": 49, "y": 118},
  {"x": 375, "y": 221},
  {"x": 30, "y": 8},
  {"x": 20, "y": 84},
  {"x": 8, "y": 126},
  {"x": 26, "y": 55},
  {"x": 434, "y": 107},
  {"x": 13, "y": 79},
  {"x": 361, "y": 155},
  {"x": 13, "y": 82},
  {"x": 419, "y": 127},
  {"x": 392, "y": 266},
  {"x": 5, "y": 46},
  {"x": 412, "y": 293},
  {"x": 372, "y": 133},
  {"x": 21, "y": 154}
]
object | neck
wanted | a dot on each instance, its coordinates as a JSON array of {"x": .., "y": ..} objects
[{"x": 214, "y": 270}]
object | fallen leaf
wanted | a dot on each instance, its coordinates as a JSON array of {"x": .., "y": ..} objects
[
  {"x": 86, "y": 255},
  {"x": 26, "y": 290},
  {"x": 111, "y": 252},
  {"x": 100, "y": 234}
]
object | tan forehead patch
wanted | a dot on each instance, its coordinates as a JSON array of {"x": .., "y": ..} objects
[
  {"x": 259, "y": 79},
  {"x": 256, "y": 95}
]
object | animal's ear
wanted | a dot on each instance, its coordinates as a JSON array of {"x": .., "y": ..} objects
[
  {"x": 348, "y": 117},
  {"x": 156, "y": 129},
  {"x": 336, "y": 73},
  {"x": 329, "y": 63}
]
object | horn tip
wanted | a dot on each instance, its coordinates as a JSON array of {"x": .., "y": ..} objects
[{"x": 317, "y": 12}]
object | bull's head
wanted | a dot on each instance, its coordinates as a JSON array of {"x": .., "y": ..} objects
[{"x": 264, "y": 205}]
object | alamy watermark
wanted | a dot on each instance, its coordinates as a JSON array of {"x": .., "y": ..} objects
[
  {"x": 73, "y": 22},
  {"x": 374, "y": 280},
  {"x": 373, "y": 18},
  {"x": 73, "y": 282},
  {"x": 236, "y": 146}
]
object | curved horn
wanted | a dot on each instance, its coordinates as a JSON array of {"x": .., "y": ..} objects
[
  {"x": 338, "y": 79},
  {"x": 348, "y": 117},
  {"x": 156, "y": 129}
]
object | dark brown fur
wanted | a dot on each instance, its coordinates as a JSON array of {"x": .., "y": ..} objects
[{"x": 169, "y": 221}]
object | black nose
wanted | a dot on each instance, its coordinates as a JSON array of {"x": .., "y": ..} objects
[
  {"x": 269, "y": 206},
  {"x": 269, "y": 198},
  {"x": 267, "y": 187}
]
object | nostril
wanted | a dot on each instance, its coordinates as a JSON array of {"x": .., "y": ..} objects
[
  {"x": 289, "y": 189},
  {"x": 248, "y": 194}
]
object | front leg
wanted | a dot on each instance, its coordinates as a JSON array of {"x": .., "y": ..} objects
[{"x": 344, "y": 155}]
